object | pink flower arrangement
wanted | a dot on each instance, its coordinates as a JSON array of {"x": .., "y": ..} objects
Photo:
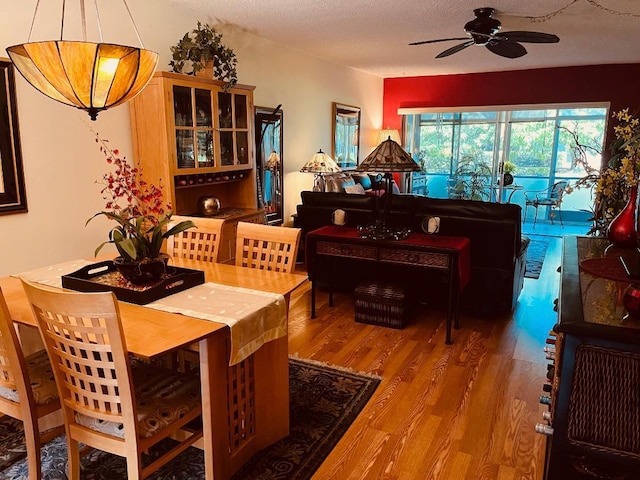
[{"x": 143, "y": 218}]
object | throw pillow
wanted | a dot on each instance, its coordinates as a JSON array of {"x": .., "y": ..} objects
[
  {"x": 356, "y": 189},
  {"x": 363, "y": 179},
  {"x": 335, "y": 182}
]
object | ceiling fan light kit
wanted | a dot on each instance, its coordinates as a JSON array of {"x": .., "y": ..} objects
[{"x": 484, "y": 30}]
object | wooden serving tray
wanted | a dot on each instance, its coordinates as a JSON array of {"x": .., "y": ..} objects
[{"x": 103, "y": 277}]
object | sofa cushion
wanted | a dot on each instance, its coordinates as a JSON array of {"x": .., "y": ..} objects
[
  {"x": 337, "y": 200},
  {"x": 491, "y": 227}
]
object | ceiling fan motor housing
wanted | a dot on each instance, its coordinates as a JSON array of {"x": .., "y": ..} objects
[{"x": 483, "y": 27}]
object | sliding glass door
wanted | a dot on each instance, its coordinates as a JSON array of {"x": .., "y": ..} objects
[{"x": 537, "y": 147}]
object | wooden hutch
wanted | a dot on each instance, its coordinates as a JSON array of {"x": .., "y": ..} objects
[{"x": 197, "y": 139}]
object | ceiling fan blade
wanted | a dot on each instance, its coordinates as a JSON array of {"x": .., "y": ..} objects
[
  {"x": 507, "y": 49},
  {"x": 439, "y": 40},
  {"x": 457, "y": 48},
  {"x": 528, "y": 37}
]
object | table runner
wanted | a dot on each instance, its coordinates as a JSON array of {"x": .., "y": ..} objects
[{"x": 254, "y": 317}]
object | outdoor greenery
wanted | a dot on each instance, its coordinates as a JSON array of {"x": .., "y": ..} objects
[{"x": 534, "y": 139}]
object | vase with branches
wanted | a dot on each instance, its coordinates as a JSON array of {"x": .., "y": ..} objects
[{"x": 611, "y": 183}]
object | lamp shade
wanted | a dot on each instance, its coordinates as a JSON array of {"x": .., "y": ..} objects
[
  {"x": 388, "y": 157},
  {"x": 321, "y": 163},
  {"x": 89, "y": 76}
]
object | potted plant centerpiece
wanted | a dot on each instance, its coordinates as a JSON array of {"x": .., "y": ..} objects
[
  {"x": 508, "y": 169},
  {"x": 203, "y": 50},
  {"x": 141, "y": 219}
]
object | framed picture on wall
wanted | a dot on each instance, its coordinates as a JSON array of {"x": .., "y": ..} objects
[
  {"x": 12, "y": 192},
  {"x": 346, "y": 135}
]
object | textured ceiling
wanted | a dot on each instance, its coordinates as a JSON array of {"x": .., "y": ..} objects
[{"x": 373, "y": 35}]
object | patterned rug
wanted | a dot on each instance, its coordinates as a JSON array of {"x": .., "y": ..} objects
[
  {"x": 535, "y": 256},
  {"x": 324, "y": 402}
]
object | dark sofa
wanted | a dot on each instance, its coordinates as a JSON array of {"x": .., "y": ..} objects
[{"x": 498, "y": 250}]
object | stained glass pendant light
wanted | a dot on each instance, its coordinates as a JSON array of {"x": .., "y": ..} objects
[{"x": 86, "y": 75}]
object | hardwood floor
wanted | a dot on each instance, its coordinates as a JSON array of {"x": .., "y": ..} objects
[{"x": 461, "y": 411}]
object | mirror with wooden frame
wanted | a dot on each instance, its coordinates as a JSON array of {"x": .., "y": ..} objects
[
  {"x": 346, "y": 135},
  {"x": 12, "y": 191},
  {"x": 269, "y": 158}
]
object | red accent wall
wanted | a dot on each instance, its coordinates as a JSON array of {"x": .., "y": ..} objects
[{"x": 617, "y": 84}]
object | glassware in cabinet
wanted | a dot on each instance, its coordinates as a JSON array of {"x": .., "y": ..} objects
[{"x": 194, "y": 131}]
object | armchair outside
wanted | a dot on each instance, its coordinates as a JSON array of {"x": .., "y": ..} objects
[{"x": 550, "y": 197}]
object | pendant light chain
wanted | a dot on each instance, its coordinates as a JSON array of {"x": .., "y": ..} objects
[
  {"x": 64, "y": 9},
  {"x": 83, "y": 17},
  {"x": 33, "y": 20},
  {"x": 95, "y": 4},
  {"x": 135, "y": 29}
]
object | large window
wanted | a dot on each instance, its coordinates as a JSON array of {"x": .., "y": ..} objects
[{"x": 539, "y": 143}]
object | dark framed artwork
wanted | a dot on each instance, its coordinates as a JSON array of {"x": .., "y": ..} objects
[{"x": 12, "y": 192}]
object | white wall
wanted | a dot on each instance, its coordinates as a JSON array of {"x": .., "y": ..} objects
[{"x": 62, "y": 161}]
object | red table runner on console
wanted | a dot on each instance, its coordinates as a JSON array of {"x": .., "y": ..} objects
[{"x": 461, "y": 244}]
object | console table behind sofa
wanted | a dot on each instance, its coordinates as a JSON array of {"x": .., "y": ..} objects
[{"x": 498, "y": 251}]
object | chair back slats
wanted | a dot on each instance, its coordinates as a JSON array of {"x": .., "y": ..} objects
[
  {"x": 85, "y": 351},
  {"x": 201, "y": 243},
  {"x": 19, "y": 400},
  {"x": 84, "y": 338},
  {"x": 7, "y": 377},
  {"x": 267, "y": 247},
  {"x": 13, "y": 370}
]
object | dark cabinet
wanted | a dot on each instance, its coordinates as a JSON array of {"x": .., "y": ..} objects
[{"x": 595, "y": 390}]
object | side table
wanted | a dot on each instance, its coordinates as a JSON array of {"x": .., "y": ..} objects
[{"x": 330, "y": 245}]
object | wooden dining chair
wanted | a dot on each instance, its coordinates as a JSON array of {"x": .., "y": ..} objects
[
  {"x": 109, "y": 403},
  {"x": 200, "y": 243},
  {"x": 27, "y": 391},
  {"x": 267, "y": 247}
]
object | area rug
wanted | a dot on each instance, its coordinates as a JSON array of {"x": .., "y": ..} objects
[
  {"x": 535, "y": 256},
  {"x": 325, "y": 400}
]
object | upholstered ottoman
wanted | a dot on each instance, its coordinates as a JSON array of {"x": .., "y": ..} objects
[{"x": 380, "y": 304}]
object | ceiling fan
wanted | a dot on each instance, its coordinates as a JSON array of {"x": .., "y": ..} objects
[{"x": 485, "y": 30}]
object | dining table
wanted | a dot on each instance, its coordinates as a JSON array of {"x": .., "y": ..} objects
[{"x": 245, "y": 406}]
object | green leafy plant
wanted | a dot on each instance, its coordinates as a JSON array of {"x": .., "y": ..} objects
[
  {"x": 201, "y": 46},
  {"x": 509, "y": 167},
  {"x": 471, "y": 179},
  {"x": 142, "y": 221}
]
